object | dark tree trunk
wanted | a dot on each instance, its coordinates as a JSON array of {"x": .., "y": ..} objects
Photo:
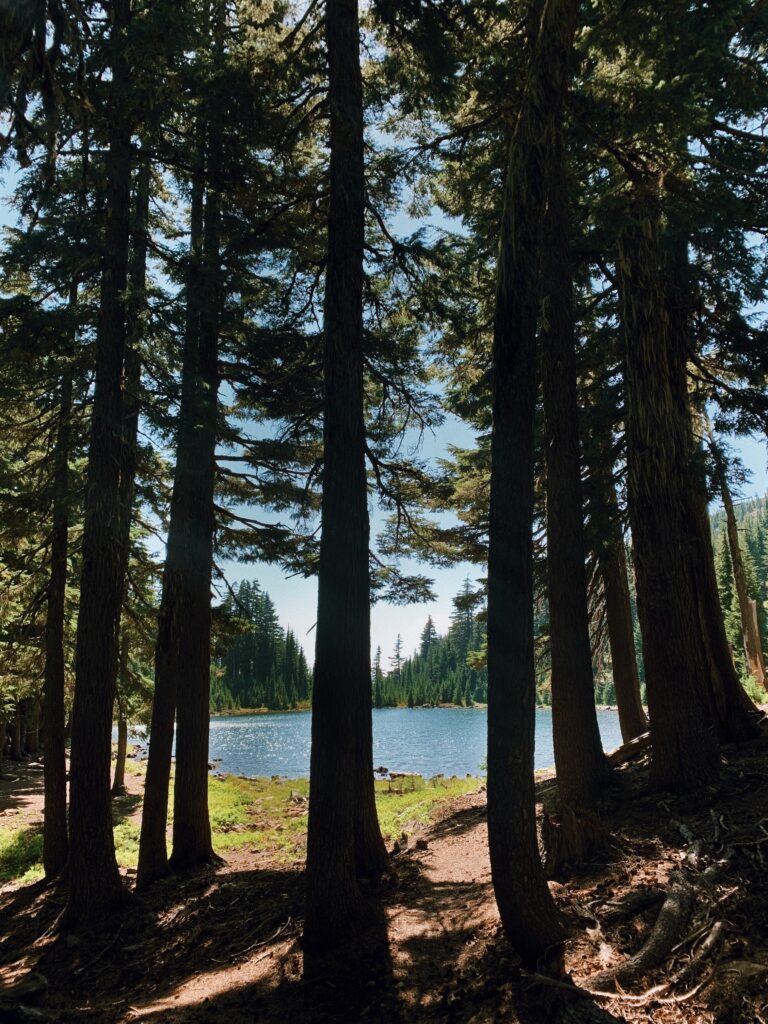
[
  {"x": 118, "y": 784},
  {"x": 118, "y": 780},
  {"x": 95, "y": 886},
  {"x": 735, "y": 714},
  {"x": 32, "y": 739},
  {"x": 192, "y": 843},
  {"x": 55, "y": 842},
  {"x": 137, "y": 274},
  {"x": 749, "y": 628},
  {"x": 3, "y": 744},
  {"x": 612, "y": 566},
  {"x": 685, "y": 747},
  {"x": 17, "y": 734},
  {"x": 581, "y": 767},
  {"x": 153, "y": 853},
  {"x": 527, "y": 911},
  {"x": 343, "y": 836}
]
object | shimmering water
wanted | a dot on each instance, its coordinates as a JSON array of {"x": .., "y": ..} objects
[{"x": 451, "y": 741}]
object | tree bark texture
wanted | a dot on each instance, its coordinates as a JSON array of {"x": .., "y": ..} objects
[
  {"x": 95, "y": 886},
  {"x": 153, "y": 853},
  {"x": 343, "y": 833},
  {"x": 685, "y": 747},
  {"x": 55, "y": 841},
  {"x": 580, "y": 762},
  {"x": 527, "y": 911}
]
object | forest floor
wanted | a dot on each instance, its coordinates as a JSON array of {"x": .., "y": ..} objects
[{"x": 223, "y": 946}]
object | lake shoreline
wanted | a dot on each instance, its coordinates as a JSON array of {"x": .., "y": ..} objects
[
  {"x": 425, "y": 741},
  {"x": 244, "y": 712}
]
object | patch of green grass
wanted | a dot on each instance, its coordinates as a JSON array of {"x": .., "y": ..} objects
[
  {"x": 266, "y": 816},
  {"x": 270, "y": 815},
  {"x": 21, "y": 854},
  {"x": 409, "y": 802},
  {"x": 127, "y": 844}
]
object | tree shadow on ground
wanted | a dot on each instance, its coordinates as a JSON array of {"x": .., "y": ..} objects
[
  {"x": 124, "y": 805},
  {"x": 458, "y": 823},
  {"x": 21, "y": 787}
]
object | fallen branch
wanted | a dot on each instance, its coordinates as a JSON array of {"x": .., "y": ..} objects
[{"x": 628, "y": 751}]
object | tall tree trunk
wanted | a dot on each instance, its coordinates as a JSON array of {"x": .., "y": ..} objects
[
  {"x": 137, "y": 272},
  {"x": 752, "y": 645},
  {"x": 735, "y": 713},
  {"x": 527, "y": 911},
  {"x": 192, "y": 843},
  {"x": 137, "y": 275},
  {"x": 579, "y": 759},
  {"x": 95, "y": 886},
  {"x": 612, "y": 566},
  {"x": 343, "y": 834},
  {"x": 685, "y": 747},
  {"x": 55, "y": 842},
  {"x": 153, "y": 853}
]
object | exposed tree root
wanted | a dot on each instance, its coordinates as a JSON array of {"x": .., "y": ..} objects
[
  {"x": 634, "y": 903},
  {"x": 673, "y": 917}
]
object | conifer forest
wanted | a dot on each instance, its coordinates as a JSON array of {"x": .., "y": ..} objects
[{"x": 353, "y": 295}]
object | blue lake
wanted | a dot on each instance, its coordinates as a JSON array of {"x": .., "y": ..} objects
[{"x": 451, "y": 741}]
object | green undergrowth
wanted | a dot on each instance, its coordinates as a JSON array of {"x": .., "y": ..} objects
[
  {"x": 21, "y": 854},
  {"x": 263, "y": 817}
]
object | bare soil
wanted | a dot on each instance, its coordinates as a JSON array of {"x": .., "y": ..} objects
[{"x": 224, "y": 946}]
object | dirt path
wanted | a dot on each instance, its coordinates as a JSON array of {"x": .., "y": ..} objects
[{"x": 21, "y": 793}]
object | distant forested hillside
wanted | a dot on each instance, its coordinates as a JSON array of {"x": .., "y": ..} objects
[
  {"x": 451, "y": 669},
  {"x": 263, "y": 665}
]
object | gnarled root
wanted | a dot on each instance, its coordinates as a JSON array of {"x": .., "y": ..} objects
[
  {"x": 634, "y": 903},
  {"x": 673, "y": 917}
]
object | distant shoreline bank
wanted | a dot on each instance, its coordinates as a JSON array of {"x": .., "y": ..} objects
[{"x": 244, "y": 712}]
